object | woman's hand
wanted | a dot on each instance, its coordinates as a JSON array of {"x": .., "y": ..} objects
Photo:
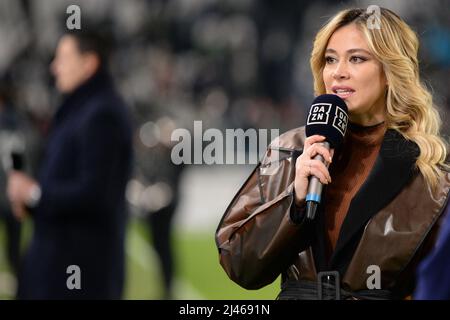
[{"x": 306, "y": 166}]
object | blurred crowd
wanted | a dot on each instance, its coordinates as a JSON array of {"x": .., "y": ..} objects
[{"x": 230, "y": 63}]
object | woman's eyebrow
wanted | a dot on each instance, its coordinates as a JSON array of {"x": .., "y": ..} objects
[{"x": 330, "y": 50}]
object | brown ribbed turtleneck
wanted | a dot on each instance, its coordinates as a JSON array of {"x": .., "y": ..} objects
[{"x": 349, "y": 170}]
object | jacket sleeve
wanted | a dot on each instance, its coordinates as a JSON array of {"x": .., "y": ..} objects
[
  {"x": 100, "y": 162},
  {"x": 257, "y": 237}
]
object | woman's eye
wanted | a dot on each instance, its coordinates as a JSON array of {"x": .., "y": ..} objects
[
  {"x": 356, "y": 59},
  {"x": 329, "y": 60}
]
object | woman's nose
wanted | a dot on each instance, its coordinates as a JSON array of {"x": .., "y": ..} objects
[{"x": 341, "y": 71}]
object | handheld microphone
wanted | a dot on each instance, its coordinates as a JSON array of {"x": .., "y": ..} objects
[{"x": 327, "y": 117}]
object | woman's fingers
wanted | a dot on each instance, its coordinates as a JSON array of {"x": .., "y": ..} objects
[
  {"x": 320, "y": 149},
  {"x": 308, "y": 167},
  {"x": 313, "y": 139},
  {"x": 320, "y": 171}
]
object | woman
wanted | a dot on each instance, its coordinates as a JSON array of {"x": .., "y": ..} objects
[{"x": 385, "y": 188}]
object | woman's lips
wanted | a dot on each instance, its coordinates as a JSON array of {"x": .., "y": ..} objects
[
  {"x": 344, "y": 94},
  {"x": 342, "y": 91}
]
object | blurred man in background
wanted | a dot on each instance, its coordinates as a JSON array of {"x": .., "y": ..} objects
[
  {"x": 77, "y": 204},
  {"x": 160, "y": 179}
]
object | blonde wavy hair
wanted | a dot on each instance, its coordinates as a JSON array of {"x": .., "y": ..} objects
[{"x": 410, "y": 108}]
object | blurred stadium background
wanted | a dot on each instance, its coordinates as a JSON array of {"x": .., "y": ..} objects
[{"x": 230, "y": 63}]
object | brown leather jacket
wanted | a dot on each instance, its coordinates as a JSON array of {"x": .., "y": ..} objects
[{"x": 392, "y": 222}]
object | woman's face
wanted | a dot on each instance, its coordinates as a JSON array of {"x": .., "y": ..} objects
[{"x": 353, "y": 73}]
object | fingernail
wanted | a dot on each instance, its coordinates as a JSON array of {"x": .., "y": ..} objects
[{"x": 330, "y": 160}]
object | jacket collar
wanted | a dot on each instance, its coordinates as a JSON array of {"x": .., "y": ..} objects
[
  {"x": 393, "y": 169},
  {"x": 74, "y": 100}
]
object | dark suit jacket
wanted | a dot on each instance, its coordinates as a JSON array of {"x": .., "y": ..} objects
[
  {"x": 81, "y": 217},
  {"x": 433, "y": 278}
]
